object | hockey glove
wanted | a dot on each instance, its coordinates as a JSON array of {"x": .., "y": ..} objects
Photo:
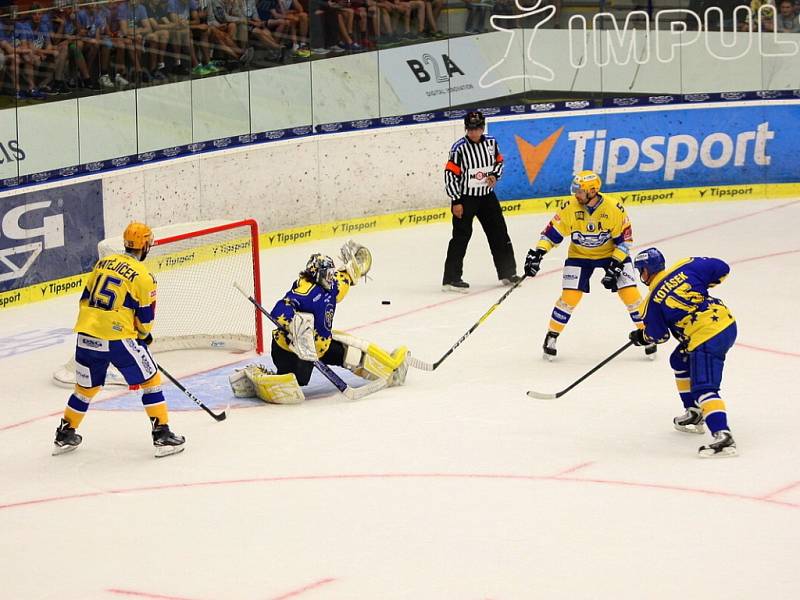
[
  {"x": 533, "y": 261},
  {"x": 146, "y": 340},
  {"x": 613, "y": 271},
  {"x": 638, "y": 338}
]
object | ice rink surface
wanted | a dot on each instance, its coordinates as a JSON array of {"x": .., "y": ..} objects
[{"x": 455, "y": 486}]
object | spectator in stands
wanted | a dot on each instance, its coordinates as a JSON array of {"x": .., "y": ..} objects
[
  {"x": 345, "y": 16},
  {"x": 148, "y": 39},
  {"x": 118, "y": 15},
  {"x": 363, "y": 16},
  {"x": 106, "y": 40},
  {"x": 65, "y": 34},
  {"x": 198, "y": 25},
  {"x": 29, "y": 59},
  {"x": 297, "y": 25},
  {"x": 433, "y": 8},
  {"x": 319, "y": 14},
  {"x": 277, "y": 25},
  {"x": 178, "y": 14},
  {"x": 763, "y": 19},
  {"x": 405, "y": 8},
  {"x": 9, "y": 55},
  {"x": 261, "y": 35},
  {"x": 223, "y": 23},
  {"x": 52, "y": 58},
  {"x": 158, "y": 13},
  {"x": 787, "y": 19},
  {"x": 505, "y": 8},
  {"x": 386, "y": 9},
  {"x": 477, "y": 11}
]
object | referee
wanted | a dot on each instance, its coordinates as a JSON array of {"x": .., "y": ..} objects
[{"x": 471, "y": 173}]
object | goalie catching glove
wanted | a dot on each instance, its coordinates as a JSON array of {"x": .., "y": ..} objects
[
  {"x": 258, "y": 381},
  {"x": 356, "y": 260}
]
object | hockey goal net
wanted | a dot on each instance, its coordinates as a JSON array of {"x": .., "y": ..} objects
[{"x": 195, "y": 265}]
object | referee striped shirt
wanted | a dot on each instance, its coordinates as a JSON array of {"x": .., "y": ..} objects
[{"x": 468, "y": 166}]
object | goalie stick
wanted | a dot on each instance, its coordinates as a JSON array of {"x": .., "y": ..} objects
[
  {"x": 349, "y": 392},
  {"x": 542, "y": 396},
  {"x": 413, "y": 361},
  {"x": 217, "y": 417}
]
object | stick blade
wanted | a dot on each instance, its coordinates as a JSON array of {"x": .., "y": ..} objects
[
  {"x": 541, "y": 396},
  {"x": 416, "y": 363}
]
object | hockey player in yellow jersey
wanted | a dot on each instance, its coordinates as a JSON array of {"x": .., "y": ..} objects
[
  {"x": 600, "y": 238},
  {"x": 116, "y": 314}
]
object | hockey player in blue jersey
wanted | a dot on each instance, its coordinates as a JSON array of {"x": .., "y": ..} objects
[
  {"x": 305, "y": 314},
  {"x": 679, "y": 304}
]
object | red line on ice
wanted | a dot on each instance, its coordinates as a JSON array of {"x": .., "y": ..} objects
[
  {"x": 304, "y": 589},
  {"x": 782, "y": 490},
  {"x": 119, "y": 592},
  {"x": 387, "y": 476}
]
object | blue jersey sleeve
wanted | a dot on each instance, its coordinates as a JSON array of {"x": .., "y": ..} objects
[
  {"x": 712, "y": 270},
  {"x": 284, "y": 309},
  {"x": 655, "y": 325}
]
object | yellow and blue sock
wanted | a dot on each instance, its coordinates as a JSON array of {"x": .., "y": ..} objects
[{"x": 78, "y": 404}]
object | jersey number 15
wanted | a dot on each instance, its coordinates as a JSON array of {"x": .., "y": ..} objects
[{"x": 103, "y": 294}]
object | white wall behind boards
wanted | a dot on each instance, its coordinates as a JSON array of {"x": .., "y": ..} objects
[{"x": 292, "y": 183}]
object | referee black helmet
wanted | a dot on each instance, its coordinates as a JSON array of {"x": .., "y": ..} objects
[{"x": 474, "y": 120}]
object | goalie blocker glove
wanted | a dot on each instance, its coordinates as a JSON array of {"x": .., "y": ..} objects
[
  {"x": 613, "y": 271},
  {"x": 533, "y": 262}
]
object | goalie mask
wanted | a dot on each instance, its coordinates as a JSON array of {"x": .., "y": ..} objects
[{"x": 321, "y": 270}]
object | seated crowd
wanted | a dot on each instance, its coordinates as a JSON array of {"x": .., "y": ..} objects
[{"x": 118, "y": 43}]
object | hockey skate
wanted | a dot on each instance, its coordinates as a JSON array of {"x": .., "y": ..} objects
[
  {"x": 166, "y": 442},
  {"x": 67, "y": 439},
  {"x": 722, "y": 446},
  {"x": 690, "y": 422},
  {"x": 549, "y": 346},
  {"x": 650, "y": 351},
  {"x": 460, "y": 286}
]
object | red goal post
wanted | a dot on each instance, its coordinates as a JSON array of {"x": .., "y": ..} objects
[{"x": 196, "y": 265}]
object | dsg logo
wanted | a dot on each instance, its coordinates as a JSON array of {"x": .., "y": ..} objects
[{"x": 50, "y": 232}]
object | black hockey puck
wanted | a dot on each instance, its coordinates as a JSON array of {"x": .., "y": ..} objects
[{"x": 385, "y": 302}]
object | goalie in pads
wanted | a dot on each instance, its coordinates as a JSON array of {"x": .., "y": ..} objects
[{"x": 306, "y": 315}]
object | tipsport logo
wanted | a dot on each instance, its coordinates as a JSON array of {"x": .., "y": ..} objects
[
  {"x": 668, "y": 154},
  {"x": 622, "y": 46}
]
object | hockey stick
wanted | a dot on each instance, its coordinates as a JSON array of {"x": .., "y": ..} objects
[
  {"x": 349, "y": 392},
  {"x": 220, "y": 417},
  {"x": 425, "y": 366},
  {"x": 542, "y": 396}
]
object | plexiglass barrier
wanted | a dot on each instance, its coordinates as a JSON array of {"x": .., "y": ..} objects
[{"x": 88, "y": 82}]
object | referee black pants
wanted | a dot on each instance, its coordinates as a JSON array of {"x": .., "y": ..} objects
[{"x": 490, "y": 216}]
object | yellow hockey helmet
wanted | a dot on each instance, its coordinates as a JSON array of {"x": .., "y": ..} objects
[
  {"x": 585, "y": 180},
  {"x": 137, "y": 236}
]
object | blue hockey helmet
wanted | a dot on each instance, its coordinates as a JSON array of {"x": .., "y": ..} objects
[
  {"x": 650, "y": 259},
  {"x": 321, "y": 270}
]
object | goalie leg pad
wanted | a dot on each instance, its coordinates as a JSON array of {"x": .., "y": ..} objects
[
  {"x": 241, "y": 385},
  {"x": 373, "y": 362},
  {"x": 275, "y": 389}
]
